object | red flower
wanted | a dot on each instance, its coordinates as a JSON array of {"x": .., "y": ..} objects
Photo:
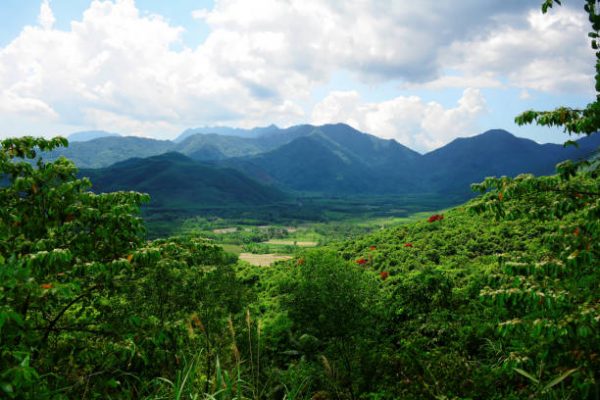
[
  {"x": 576, "y": 231},
  {"x": 300, "y": 261},
  {"x": 435, "y": 217},
  {"x": 408, "y": 245},
  {"x": 372, "y": 248},
  {"x": 361, "y": 261},
  {"x": 384, "y": 275},
  {"x": 46, "y": 286}
]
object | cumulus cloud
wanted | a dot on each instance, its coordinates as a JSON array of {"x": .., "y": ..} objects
[
  {"x": 411, "y": 121},
  {"x": 547, "y": 52},
  {"x": 375, "y": 40},
  {"x": 46, "y": 17},
  {"x": 121, "y": 70}
]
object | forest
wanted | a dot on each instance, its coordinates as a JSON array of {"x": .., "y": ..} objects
[{"x": 497, "y": 298}]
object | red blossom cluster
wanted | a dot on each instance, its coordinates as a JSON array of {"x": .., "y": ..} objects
[
  {"x": 300, "y": 261},
  {"x": 384, "y": 275},
  {"x": 361, "y": 261},
  {"x": 372, "y": 248},
  {"x": 435, "y": 217},
  {"x": 408, "y": 245}
]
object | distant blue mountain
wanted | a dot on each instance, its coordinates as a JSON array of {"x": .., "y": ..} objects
[
  {"x": 85, "y": 136},
  {"x": 226, "y": 131},
  {"x": 339, "y": 159}
]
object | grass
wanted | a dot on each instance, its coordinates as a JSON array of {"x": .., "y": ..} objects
[
  {"x": 290, "y": 242},
  {"x": 262, "y": 260},
  {"x": 232, "y": 248}
]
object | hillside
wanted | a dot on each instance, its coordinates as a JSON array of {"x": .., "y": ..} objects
[
  {"x": 85, "y": 136},
  {"x": 454, "y": 167},
  {"x": 178, "y": 182},
  {"x": 227, "y": 131},
  {"x": 104, "y": 151},
  {"x": 210, "y": 146},
  {"x": 338, "y": 159}
]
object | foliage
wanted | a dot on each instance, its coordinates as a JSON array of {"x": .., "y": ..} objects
[
  {"x": 578, "y": 121},
  {"x": 549, "y": 304},
  {"x": 88, "y": 308}
]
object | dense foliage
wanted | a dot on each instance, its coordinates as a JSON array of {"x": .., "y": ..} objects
[{"x": 89, "y": 309}]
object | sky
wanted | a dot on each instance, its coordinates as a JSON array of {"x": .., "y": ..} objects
[{"x": 420, "y": 72}]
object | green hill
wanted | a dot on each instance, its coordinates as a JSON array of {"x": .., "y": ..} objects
[
  {"x": 105, "y": 151},
  {"x": 454, "y": 167},
  {"x": 511, "y": 303},
  {"x": 178, "y": 182},
  {"x": 338, "y": 159}
]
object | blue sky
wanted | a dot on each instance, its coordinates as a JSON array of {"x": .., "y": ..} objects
[{"x": 422, "y": 73}]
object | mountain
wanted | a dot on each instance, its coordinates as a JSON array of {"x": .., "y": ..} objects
[
  {"x": 234, "y": 142},
  {"x": 175, "y": 181},
  {"x": 85, "y": 136},
  {"x": 211, "y": 146},
  {"x": 454, "y": 167},
  {"x": 226, "y": 131},
  {"x": 335, "y": 158},
  {"x": 338, "y": 159},
  {"x": 105, "y": 151}
]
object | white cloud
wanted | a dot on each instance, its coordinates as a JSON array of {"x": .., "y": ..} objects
[
  {"x": 117, "y": 69},
  {"x": 411, "y": 121},
  {"x": 46, "y": 17},
  {"x": 524, "y": 95},
  {"x": 32, "y": 107},
  {"x": 548, "y": 52},
  {"x": 263, "y": 59}
]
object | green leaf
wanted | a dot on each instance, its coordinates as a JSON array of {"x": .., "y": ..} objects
[
  {"x": 113, "y": 383},
  {"x": 558, "y": 379},
  {"x": 6, "y": 387},
  {"x": 527, "y": 375}
]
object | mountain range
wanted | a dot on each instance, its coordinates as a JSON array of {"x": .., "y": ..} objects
[{"x": 331, "y": 159}]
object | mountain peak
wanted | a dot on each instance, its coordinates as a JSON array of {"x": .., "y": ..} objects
[
  {"x": 85, "y": 136},
  {"x": 496, "y": 133}
]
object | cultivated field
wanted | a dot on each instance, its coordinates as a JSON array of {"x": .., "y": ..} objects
[{"x": 262, "y": 259}]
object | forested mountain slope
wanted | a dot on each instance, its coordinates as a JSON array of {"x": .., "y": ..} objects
[{"x": 176, "y": 181}]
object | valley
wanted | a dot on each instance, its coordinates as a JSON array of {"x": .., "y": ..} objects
[{"x": 301, "y": 174}]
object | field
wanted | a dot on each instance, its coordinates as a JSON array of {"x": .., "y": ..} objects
[
  {"x": 325, "y": 213},
  {"x": 264, "y": 244},
  {"x": 262, "y": 260}
]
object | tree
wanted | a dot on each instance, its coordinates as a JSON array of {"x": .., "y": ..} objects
[
  {"x": 63, "y": 249},
  {"x": 550, "y": 305},
  {"x": 86, "y": 305},
  {"x": 578, "y": 121}
]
